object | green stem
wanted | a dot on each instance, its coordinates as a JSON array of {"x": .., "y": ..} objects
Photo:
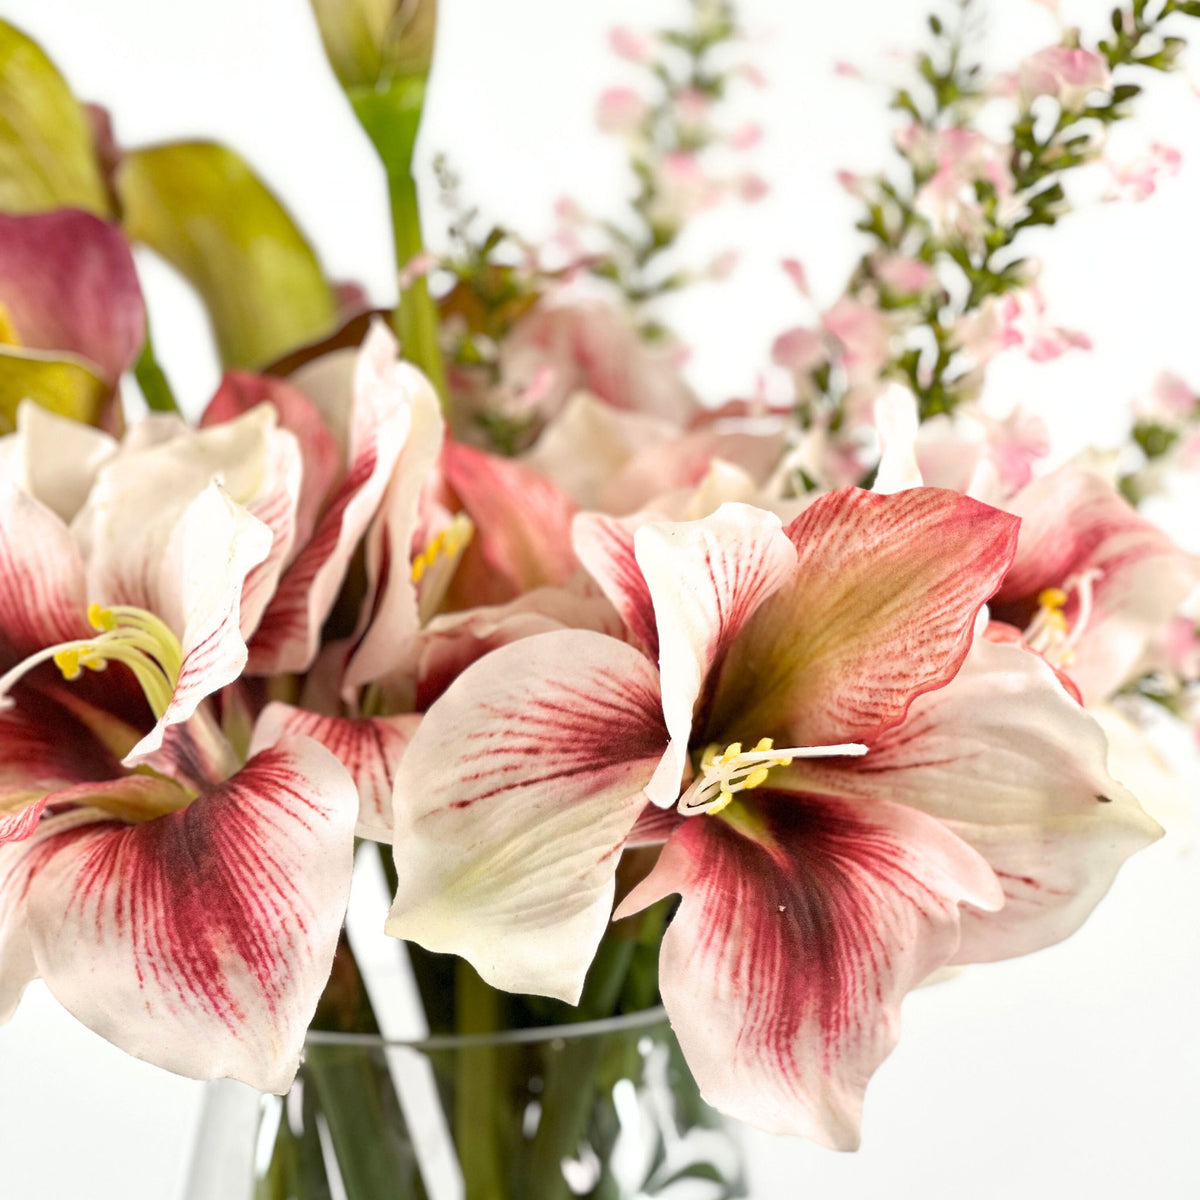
[
  {"x": 152, "y": 380},
  {"x": 476, "y": 1116},
  {"x": 415, "y": 318}
]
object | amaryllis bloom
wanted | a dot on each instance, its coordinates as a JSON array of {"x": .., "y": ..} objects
[
  {"x": 618, "y": 462},
  {"x": 849, "y": 789},
  {"x": 1093, "y": 581},
  {"x": 71, "y": 312},
  {"x": 588, "y": 346},
  {"x": 183, "y": 908},
  {"x": 368, "y": 429},
  {"x": 1068, "y": 73}
]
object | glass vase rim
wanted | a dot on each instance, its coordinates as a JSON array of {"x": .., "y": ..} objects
[{"x": 643, "y": 1018}]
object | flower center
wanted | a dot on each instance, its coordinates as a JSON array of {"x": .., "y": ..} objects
[
  {"x": 129, "y": 635},
  {"x": 434, "y": 566},
  {"x": 726, "y": 772},
  {"x": 1050, "y": 633}
]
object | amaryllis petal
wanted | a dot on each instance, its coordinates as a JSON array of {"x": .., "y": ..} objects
[
  {"x": 1011, "y": 763},
  {"x": 203, "y": 566},
  {"x": 17, "y": 824},
  {"x": 199, "y": 941},
  {"x": 54, "y": 459},
  {"x": 706, "y": 578},
  {"x": 391, "y": 614},
  {"x": 1074, "y": 523},
  {"x": 380, "y": 420},
  {"x": 68, "y": 283},
  {"x": 522, "y": 525},
  {"x": 369, "y": 748},
  {"x": 42, "y": 596},
  {"x": 605, "y": 547},
  {"x": 880, "y": 610},
  {"x": 512, "y": 803},
  {"x": 803, "y": 924},
  {"x": 242, "y": 391}
]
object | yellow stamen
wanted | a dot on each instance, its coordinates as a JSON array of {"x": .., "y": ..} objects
[
  {"x": 435, "y": 565},
  {"x": 128, "y": 635},
  {"x": 725, "y": 772}
]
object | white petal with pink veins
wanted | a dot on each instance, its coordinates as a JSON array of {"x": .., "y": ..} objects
[
  {"x": 379, "y": 423},
  {"x": 803, "y": 923},
  {"x": 199, "y": 941},
  {"x": 201, "y": 570},
  {"x": 706, "y": 578},
  {"x": 1015, "y": 767},
  {"x": 370, "y": 748},
  {"x": 512, "y": 803},
  {"x": 390, "y": 613}
]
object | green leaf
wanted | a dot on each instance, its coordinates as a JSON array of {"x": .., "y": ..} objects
[
  {"x": 203, "y": 209},
  {"x": 46, "y": 155},
  {"x": 58, "y": 383}
]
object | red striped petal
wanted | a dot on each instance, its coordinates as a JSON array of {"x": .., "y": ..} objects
[
  {"x": 369, "y": 748},
  {"x": 199, "y": 941},
  {"x": 512, "y": 803},
  {"x": 803, "y": 924},
  {"x": 880, "y": 610}
]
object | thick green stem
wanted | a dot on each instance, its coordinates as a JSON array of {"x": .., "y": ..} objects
[
  {"x": 415, "y": 318},
  {"x": 479, "y": 1089},
  {"x": 152, "y": 380}
]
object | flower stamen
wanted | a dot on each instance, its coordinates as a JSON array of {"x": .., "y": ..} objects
[
  {"x": 434, "y": 566},
  {"x": 1050, "y": 633},
  {"x": 125, "y": 634},
  {"x": 723, "y": 773}
]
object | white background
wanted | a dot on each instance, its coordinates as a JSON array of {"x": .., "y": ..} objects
[{"x": 1075, "y": 1072}]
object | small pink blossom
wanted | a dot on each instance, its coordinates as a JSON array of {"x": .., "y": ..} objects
[
  {"x": 1014, "y": 444},
  {"x": 631, "y": 46},
  {"x": 691, "y": 108},
  {"x": 1138, "y": 180},
  {"x": 964, "y": 157},
  {"x": 794, "y": 269},
  {"x": 852, "y": 183},
  {"x": 751, "y": 74},
  {"x": 1017, "y": 319},
  {"x": 1171, "y": 400},
  {"x": 847, "y": 70},
  {"x": 1068, "y": 73},
  {"x": 620, "y": 110},
  {"x": 746, "y": 137},
  {"x": 798, "y": 350},
  {"x": 684, "y": 190},
  {"x": 905, "y": 276},
  {"x": 723, "y": 265},
  {"x": 865, "y": 336},
  {"x": 750, "y": 187}
]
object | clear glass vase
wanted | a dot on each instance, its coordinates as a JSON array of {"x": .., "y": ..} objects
[{"x": 603, "y": 1109}]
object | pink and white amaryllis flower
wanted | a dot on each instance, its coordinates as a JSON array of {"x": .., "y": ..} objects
[
  {"x": 139, "y": 557},
  {"x": 1093, "y": 582},
  {"x": 185, "y": 912},
  {"x": 816, "y": 889},
  {"x": 356, "y": 414}
]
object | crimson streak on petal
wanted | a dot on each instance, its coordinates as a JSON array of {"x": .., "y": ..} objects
[{"x": 804, "y": 921}]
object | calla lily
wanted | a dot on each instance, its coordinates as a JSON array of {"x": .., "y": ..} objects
[
  {"x": 71, "y": 313},
  {"x": 788, "y": 662}
]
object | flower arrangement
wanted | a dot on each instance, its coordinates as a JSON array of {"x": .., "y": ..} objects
[{"x": 772, "y": 711}]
